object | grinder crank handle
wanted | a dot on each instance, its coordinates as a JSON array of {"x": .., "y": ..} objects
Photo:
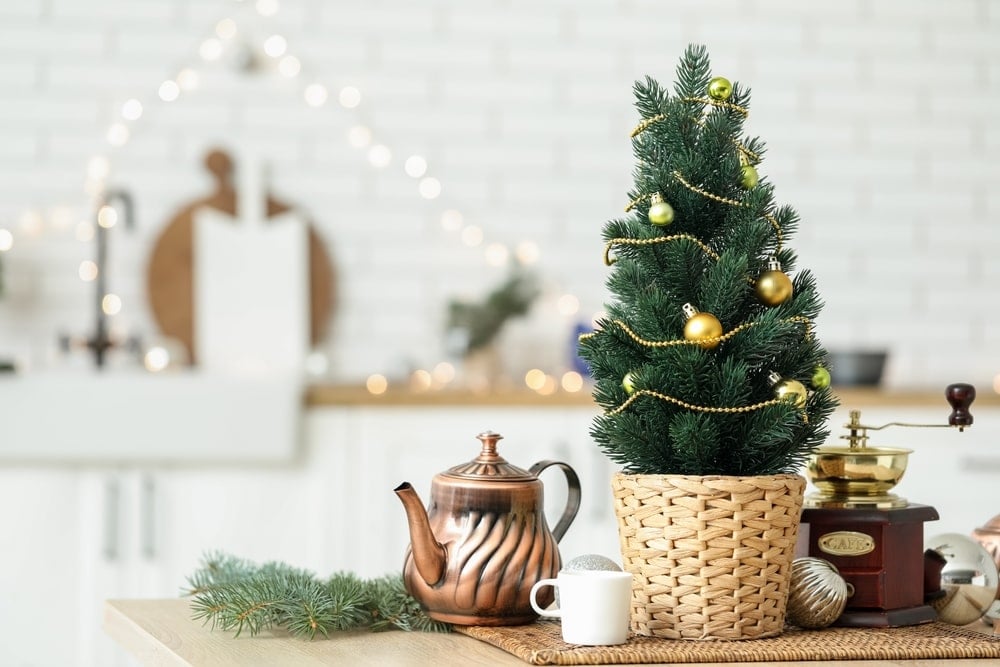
[{"x": 960, "y": 395}]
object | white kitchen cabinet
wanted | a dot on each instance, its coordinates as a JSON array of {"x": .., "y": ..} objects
[{"x": 40, "y": 572}]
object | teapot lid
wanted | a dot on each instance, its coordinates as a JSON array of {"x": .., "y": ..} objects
[{"x": 489, "y": 464}]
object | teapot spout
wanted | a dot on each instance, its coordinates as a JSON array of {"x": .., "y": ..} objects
[{"x": 428, "y": 554}]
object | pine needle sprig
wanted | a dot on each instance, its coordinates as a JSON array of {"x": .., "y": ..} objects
[{"x": 235, "y": 594}]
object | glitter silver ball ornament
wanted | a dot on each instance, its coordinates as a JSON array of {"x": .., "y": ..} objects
[
  {"x": 817, "y": 594},
  {"x": 592, "y": 562}
]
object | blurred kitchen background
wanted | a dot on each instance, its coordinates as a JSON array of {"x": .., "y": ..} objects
[{"x": 433, "y": 154}]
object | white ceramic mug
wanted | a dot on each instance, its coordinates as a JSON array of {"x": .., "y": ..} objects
[{"x": 593, "y": 605}]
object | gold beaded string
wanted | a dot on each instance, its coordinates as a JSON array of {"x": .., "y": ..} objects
[
  {"x": 645, "y": 123},
  {"x": 691, "y": 406},
  {"x": 718, "y": 103},
  {"x": 799, "y": 319},
  {"x": 714, "y": 197},
  {"x": 609, "y": 260}
]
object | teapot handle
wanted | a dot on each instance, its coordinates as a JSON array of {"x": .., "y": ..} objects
[{"x": 573, "y": 495}]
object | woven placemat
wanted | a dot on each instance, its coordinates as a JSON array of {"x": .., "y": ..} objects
[{"x": 541, "y": 644}]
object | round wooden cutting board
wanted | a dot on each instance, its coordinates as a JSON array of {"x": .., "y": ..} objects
[{"x": 169, "y": 276}]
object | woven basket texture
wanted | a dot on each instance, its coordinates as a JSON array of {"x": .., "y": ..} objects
[{"x": 710, "y": 556}]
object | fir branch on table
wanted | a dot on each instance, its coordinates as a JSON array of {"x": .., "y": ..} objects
[{"x": 236, "y": 594}]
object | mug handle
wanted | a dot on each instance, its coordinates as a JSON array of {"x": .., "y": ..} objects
[
  {"x": 555, "y": 613},
  {"x": 572, "y": 497}
]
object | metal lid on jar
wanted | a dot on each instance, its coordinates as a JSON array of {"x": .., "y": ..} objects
[{"x": 489, "y": 465}]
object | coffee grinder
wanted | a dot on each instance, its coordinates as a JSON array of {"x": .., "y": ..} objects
[{"x": 874, "y": 537}]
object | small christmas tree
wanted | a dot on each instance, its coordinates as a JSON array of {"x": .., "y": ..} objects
[{"x": 706, "y": 361}]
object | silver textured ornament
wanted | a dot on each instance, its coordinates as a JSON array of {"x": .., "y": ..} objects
[
  {"x": 817, "y": 594},
  {"x": 592, "y": 562}
]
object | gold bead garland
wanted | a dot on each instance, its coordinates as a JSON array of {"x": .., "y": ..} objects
[
  {"x": 698, "y": 408},
  {"x": 718, "y": 103},
  {"x": 609, "y": 260},
  {"x": 800, "y": 319}
]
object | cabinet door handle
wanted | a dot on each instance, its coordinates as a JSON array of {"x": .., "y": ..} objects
[
  {"x": 112, "y": 498},
  {"x": 148, "y": 527}
]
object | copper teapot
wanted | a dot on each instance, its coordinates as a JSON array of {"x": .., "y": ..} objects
[{"x": 483, "y": 542}]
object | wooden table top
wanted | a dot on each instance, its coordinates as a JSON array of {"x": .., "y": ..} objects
[{"x": 161, "y": 632}]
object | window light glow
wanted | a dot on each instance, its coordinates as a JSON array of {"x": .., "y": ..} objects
[
  {"x": 443, "y": 373},
  {"x": 379, "y": 155},
  {"x": 87, "y": 271},
  {"x": 535, "y": 379},
  {"x": 98, "y": 168},
  {"x": 572, "y": 381},
  {"x": 107, "y": 216},
  {"x": 527, "y": 252},
  {"x": 349, "y": 97},
  {"x": 226, "y": 28},
  {"x": 118, "y": 134},
  {"x": 430, "y": 188},
  {"x": 289, "y": 66},
  {"x": 451, "y": 220},
  {"x": 421, "y": 380},
  {"x": 275, "y": 46},
  {"x": 210, "y": 49},
  {"x": 132, "y": 109},
  {"x": 169, "y": 90},
  {"x": 156, "y": 359},
  {"x": 267, "y": 7},
  {"x": 497, "y": 254},
  {"x": 415, "y": 166},
  {"x": 187, "y": 79},
  {"x": 359, "y": 136},
  {"x": 315, "y": 95},
  {"x": 376, "y": 384},
  {"x": 6, "y": 240},
  {"x": 472, "y": 236},
  {"x": 568, "y": 304},
  {"x": 111, "y": 304}
]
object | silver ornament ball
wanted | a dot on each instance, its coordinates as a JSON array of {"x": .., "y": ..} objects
[{"x": 817, "y": 595}]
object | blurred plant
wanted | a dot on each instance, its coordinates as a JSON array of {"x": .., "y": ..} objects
[{"x": 479, "y": 323}]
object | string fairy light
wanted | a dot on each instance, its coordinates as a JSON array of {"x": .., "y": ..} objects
[{"x": 225, "y": 34}]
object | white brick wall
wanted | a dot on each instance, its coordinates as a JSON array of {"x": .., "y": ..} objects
[{"x": 879, "y": 119}]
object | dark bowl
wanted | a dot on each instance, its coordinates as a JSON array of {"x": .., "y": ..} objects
[{"x": 857, "y": 368}]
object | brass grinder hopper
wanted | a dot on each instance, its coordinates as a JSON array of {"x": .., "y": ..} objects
[{"x": 857, "y": 475}]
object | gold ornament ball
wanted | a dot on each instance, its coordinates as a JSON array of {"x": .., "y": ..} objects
[
  {"x": 792, "y": 391},
  {"x": 719, "y": 88},
  {"x": 661, "y": 213},
  {"x": 702, "y": 326},
  {"x": 628, "y": 383},
  {"x": 749, "y": 178},
  {"x": 774, "y": 288},
  {"x": 821, "y": 378}
]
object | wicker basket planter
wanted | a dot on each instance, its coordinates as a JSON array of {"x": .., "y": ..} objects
[{"x": 711, "y": 556}]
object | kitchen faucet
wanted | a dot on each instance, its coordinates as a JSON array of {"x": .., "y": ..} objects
[{"x": 101, "y": 341}]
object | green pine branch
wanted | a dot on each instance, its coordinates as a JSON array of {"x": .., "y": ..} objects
[{"x": 238, "y": 595}]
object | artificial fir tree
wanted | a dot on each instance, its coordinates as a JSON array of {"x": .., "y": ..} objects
[{"x": 706, "y": 361}]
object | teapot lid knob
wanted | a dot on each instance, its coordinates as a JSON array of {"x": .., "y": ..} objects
[
  {"x": 489, "y": 452},
  {"x": 489, "y": 464}
]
